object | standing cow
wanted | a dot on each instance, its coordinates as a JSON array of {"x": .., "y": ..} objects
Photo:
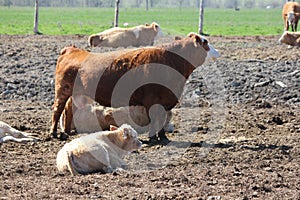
[
  {"x": 152, "y": 77},
  {"x": 290, "y": 15}
]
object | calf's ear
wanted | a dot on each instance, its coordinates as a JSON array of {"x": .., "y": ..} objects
[
  {"x": 112, "y": 128},
  {"x": 178, "y": 38}
]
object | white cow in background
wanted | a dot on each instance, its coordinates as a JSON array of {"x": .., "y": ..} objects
[
  {"x": 142, "y": 35},
  {"x": 8, "y": 133}
]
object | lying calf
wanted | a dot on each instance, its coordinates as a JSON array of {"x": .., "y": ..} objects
[
  {"x": 82, "y": 114},
  {"x": 98, "y": 152},
  {"x": 8, "y": 133},
  {"x": 290, "y": 38}
]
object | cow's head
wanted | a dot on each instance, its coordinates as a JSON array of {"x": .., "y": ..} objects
[
  {"x": 291, "y": 17},
  {"x": 212, "y": 53},
  {"x": 157, "y": 29}
]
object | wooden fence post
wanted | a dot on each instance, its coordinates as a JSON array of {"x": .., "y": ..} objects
[
  {"x": 36, "y": 18},
  {"x": 116, "y": 13}
]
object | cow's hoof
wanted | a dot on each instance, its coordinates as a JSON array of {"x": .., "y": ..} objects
[
  {"x": 163, "y": 140},
  {"x": 153, "y": 140},
  {"x": 53, "y": 134},
  {"x": 63, "y": 136}
]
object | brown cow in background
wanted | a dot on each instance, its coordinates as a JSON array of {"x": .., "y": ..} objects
[{"x": 290, "y": 15}]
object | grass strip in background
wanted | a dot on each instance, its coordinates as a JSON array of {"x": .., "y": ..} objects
[{"x": 63, "y": 21}]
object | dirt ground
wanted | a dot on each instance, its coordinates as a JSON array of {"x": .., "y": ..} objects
[{"x": 237, "y": 128}]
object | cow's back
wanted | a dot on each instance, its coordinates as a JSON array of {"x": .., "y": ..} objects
[
  {"x": 140, "y": 66},
  {"x": 290, "y": 6}
]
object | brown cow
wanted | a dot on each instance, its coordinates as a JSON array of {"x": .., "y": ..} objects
[
  {"x": 152, "y": 77},
  {"x": 290, "y": 15}
]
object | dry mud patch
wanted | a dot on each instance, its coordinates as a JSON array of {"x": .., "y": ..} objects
[{"x": 248, "y": 101}]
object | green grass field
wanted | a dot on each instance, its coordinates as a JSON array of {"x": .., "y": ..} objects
[{"x": 62, "y": 21}]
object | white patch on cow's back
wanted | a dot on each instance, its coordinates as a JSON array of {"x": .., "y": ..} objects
[{"x": 136, "y": 32}]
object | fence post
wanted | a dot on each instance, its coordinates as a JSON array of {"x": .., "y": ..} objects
[
  {"x": 36, "y": 18},
  {"x": 201, "y": 13},
  {"x": 116, "y": 13}
]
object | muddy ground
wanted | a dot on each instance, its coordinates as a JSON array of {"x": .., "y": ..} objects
[{"x": 237, "y": 128}]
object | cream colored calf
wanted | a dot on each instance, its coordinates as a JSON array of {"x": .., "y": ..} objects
[
  {"x": 98, "y": 152},
  {"x": 141, "y": 35},
  {"x": 8, "y": 133},
  {"x": 89, "y": 117}
]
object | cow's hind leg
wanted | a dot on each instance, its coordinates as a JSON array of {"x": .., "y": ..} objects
[{"x": 58, "y": 107}]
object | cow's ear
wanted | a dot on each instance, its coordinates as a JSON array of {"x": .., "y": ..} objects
[
  {"x": 146, "y": 24},
  {"x": 178, "y": 38},
  {"x": 197, "y": 39},
  {"x": 297, "y": 14},
  {"x": 112, "y": 128},
  {"x": 191, "y": 34},
  {"x": 155, "y": 26}
]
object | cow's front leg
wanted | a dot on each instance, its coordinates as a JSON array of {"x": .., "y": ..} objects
[
  {"x": 286, "y": 28},
  {"x": 167, "y": 127},
  {"x": 157, "y": 116}
]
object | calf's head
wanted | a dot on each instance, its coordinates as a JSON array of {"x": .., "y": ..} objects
[{"x": 127, "y": 137}]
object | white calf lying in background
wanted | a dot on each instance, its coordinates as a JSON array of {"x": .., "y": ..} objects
[
  {"x": 142, "y": 35},
  {"x": 8, "y": 133},
  {"x": 98, "y": 152},
  {"x": 89, "y": 117}
]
